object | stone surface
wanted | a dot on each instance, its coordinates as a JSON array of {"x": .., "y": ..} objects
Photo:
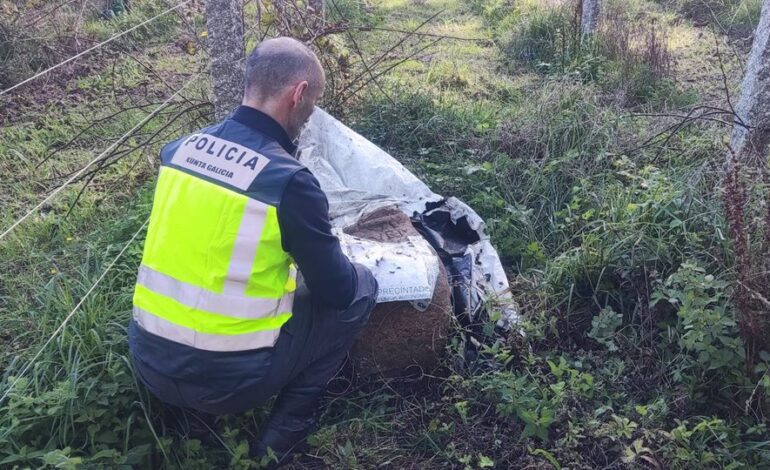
[
  {"x": 224, "y": 22},
  {"x": 753, "y": 108},
  {"x": 399, "y": 336},
  {"x": 589, "y": 16}
]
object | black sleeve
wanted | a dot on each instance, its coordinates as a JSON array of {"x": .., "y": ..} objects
[{"x": 303, "y": 216}]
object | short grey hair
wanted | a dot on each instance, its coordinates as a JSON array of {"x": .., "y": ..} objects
[{"x": 277, "y": 63}]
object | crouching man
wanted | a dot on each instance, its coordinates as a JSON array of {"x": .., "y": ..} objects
[{"x": 220, "y": 321}]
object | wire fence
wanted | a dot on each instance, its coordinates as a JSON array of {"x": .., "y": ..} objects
[
  {"x": 75, "y": 176},
  {"x": 98, "y": 162},
  {"x": 92, "y": 48},
  {"x": 69, "y": 316},
  {"x": 372, "y": 70}
]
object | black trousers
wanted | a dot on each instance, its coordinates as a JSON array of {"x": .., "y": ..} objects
[{"x": 311, "y": 347}]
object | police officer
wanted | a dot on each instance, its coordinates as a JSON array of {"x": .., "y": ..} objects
[{"x": 221, "y": 322}]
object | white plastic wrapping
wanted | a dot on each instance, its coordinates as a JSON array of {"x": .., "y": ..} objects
[
  {"x": 358, "y": 177},
  {"x": 405, "y": 271}
]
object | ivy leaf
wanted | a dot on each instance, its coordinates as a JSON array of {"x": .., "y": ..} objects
[{"x": 485, "y": 462}]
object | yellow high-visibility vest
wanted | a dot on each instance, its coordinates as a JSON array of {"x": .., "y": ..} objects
[{"x": 214, "y": 275}]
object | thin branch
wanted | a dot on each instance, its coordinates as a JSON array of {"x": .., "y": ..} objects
[
  {"x": 391, "y": 49},
  {"x": 410, "y": 56},
  {"x": 687, "y": 119},
  {"x": 725, "y": 87},
  {"x": 89, "y": 127},
  {"x": 357, "y": 49},
  {"x": 345, "y": 28},
  {"x": 116, "y": 156}
]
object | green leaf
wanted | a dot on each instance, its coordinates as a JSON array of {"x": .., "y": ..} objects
[
  {"x": 548, "y": 456},
  {"x": 485, "y": 462},
  {"x": 135, "y": 455}
]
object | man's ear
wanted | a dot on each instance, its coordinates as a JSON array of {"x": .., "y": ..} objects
[{"x": 299, "y": 92}]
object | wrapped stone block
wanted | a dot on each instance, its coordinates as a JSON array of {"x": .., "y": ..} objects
[{"x": 398, "y": 335}]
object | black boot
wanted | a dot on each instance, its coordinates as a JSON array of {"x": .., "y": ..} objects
[
  {"x": 189, "y": 423},
  {"x": 284, "y": 436}
]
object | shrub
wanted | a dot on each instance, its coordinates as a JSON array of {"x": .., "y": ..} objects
[
  {"x": 420, "y": 124},
  {"x": 158, "y": 31},
  {"x": 738, "y": 18},
  {"x": 628, "y": 55},
  {"x": 554, "y": 137},
  {"x": 639, "y": 67},
  {"x": 708, "y": 347},
  {"x": 545, "y": 36},
  {"x": 564, "y": 118},
  {"x": 23, "y": 52},
  {"x": 536, "y": 401},
  {"x": 350, "y": 11},
  {"x": 30, "y": 42}
]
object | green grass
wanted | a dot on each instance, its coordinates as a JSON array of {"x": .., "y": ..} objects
[
  {"x": 30, "y": 43},
  {"x": 615, "y": 244},
  {"x": 737, "y": 18}
]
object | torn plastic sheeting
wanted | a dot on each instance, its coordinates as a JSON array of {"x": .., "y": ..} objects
[{"x": 358, "y": 177}]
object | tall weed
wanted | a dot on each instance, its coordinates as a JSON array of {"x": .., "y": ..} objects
[
  {"x": 628, "y": 56},
  {"x": 737, "y": 18}
]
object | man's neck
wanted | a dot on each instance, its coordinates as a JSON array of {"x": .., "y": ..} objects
[
  {"x": 264, "y": 124},
  {"x": 273, "y": 111}
]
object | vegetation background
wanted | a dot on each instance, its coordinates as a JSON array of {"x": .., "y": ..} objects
[{"x": 598, "y": 164}]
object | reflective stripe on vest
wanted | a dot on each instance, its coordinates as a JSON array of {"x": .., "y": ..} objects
[
  {"x": 214, "y": 275},
  {"x": 160, "y": 327}
]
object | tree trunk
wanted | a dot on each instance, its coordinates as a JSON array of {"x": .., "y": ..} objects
[
  {"x": 224, "y": 21},
  {"x": 589, "y": 16},
  {"x": 753, "y": 109}
]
